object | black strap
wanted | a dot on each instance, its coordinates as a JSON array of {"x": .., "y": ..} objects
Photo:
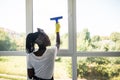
[{"x": 36, "y": 78}]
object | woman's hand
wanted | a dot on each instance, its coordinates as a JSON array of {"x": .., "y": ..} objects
[
  {"x": 30, "y": 73},
  {"x": 57, "y": 27}
]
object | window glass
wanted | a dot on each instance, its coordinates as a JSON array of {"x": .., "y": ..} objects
[
  {"x": 12, "y": 25},
  {"x": 63, "y": 68},
  {"x": 98, "y": 23},
  {"x": 98, "y": 68},
  {"x": 13, "y": 68},
  {"x": 43, "y": 10}
]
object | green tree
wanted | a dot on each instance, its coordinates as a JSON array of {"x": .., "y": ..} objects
[
  {"x": 115, "y": 36},
  {"x": 85, "y": 34},
  {"x": 18, "y": 42},
  {"x": 117, "y": 45},
  {"x": 83, "y": 40},
  {"x": 5, "y": 41},
  {"x": 98, "y": 60},
  {"x": 95, "y": 38},
  {"x": 97, "y": 68}
]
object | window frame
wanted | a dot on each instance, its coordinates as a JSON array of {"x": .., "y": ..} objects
[{"x": 71, "y": 51}]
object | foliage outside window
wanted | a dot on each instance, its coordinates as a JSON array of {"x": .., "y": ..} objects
[
  {"x": 86, "y": 42},
  {"x": 11, "y": 41},
  {"x": 100, "y": 68}
]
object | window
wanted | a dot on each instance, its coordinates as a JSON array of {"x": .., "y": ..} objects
[
  {"x": 80, "y": 17},
  {"x": 99, "y": 68},
  {"x": 43, "y": 10},
  {"x": 63, "y": 68},
  {"x": 98, "y": 25},
  {"x": 12, "y": 25},
  {"x": 12, "y": 67}
]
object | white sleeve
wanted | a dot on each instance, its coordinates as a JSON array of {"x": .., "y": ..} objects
[
  {"x": 55, "y": 50},
  {"x": 29, "y": 65},
  {"x": 51, "y": 51}
]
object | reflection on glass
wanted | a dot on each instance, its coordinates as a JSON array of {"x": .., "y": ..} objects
[
  {"x": 98, "y": 68},
  {"x": 43, "y": 10},
  {"x": 98, "y": 23},
  {"x": 13, "y": 68},
  {"x": 63, "y": 68},
  {"x": 12, "y": 25}
]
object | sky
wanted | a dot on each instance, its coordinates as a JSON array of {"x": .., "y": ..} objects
[
  {"x": 45, "y": 9},
  {"x": 12, "y": 15},
  {"x": 100, "y": 16}
]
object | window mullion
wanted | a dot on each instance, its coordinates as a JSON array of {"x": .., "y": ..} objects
[
  {"x": 29, "y": 16},
  {"x": 72, "y": 35}
]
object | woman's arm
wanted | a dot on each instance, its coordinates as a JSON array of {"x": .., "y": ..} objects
[
  {"x": 57, "y": 35},
  {"x": 30, "y": 73},
  {"x": 57, "y": 40}
]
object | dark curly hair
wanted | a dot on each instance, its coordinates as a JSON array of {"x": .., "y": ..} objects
[{"x": 30, "y": 41}]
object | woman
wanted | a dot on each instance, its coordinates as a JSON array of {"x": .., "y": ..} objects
[{"x": 40, "y": 63}]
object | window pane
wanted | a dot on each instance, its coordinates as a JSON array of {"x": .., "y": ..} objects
[
  {"x": 98, "y": 23},
  {"x": 63, "y": 68},
  {"x": 98, "y": 68},
  {"x": 13, "y": 68},
  {"x": 43, "y": 10},
  {"x": 12, "y": 25}
]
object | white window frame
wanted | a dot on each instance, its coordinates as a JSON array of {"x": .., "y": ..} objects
[{"x": 71, "y": 51}]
